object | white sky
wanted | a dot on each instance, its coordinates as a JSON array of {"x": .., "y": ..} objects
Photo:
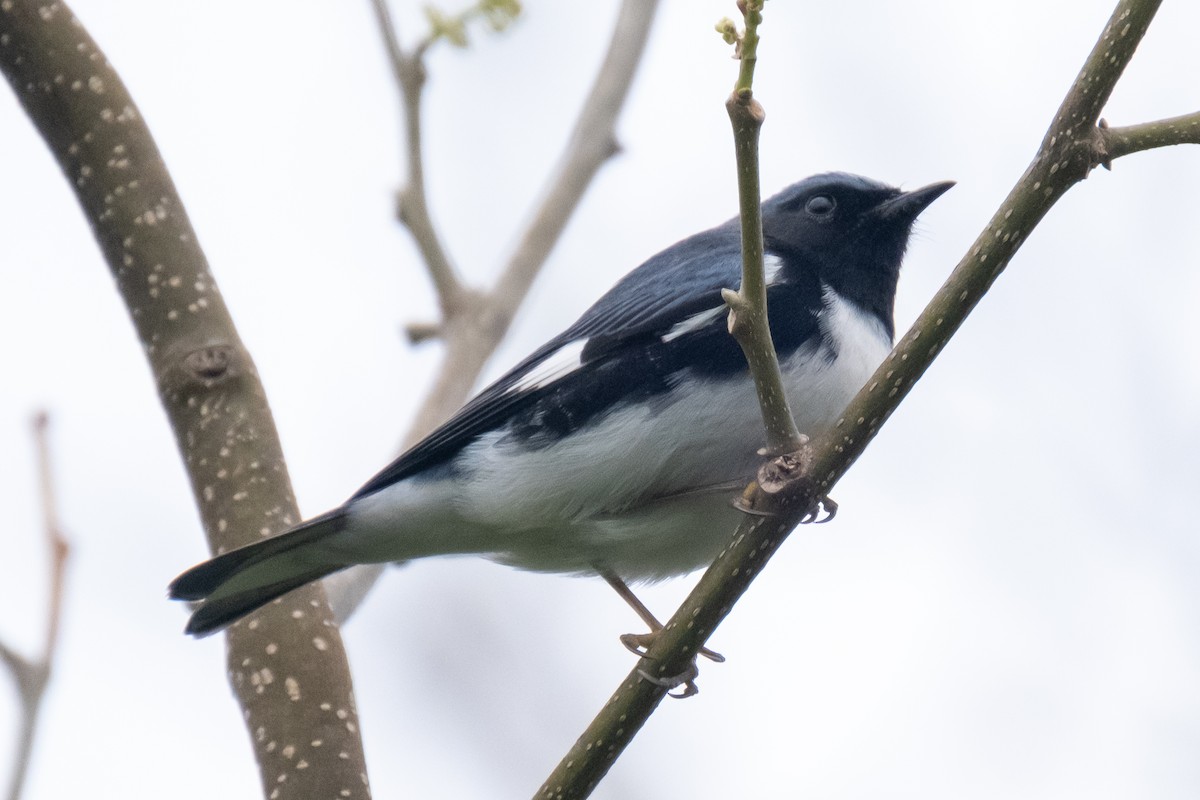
[{"x": 1007, "y": 604}]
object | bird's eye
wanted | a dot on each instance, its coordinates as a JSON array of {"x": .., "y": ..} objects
[{"x": 820, "y": 205}]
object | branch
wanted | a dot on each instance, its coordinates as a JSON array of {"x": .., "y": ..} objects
[
  {"x": 412, "y": 202},
  {"x": 592, "y": 143},
  {"x": 286, "y": 662},
  {"x": 475, "y": 323},
  {"x": 473, "y": 333},
  {"x": 788, "y": 487},
  {"x": 32, "y": 677},
  {"x": 412, "y": 205},
  {"x": 748, "y": 322},
  {"x": 1116, "y": 142}
]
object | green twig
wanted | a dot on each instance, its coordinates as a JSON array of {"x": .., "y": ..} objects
[
  {"x": 748, "y": 49},
  {"x": 748, "y": 322}
]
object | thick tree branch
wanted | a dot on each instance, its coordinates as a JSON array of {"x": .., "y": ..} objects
[
  {"x": 32, "y": 676},
  {"x": 1066, "y": 156},
  {"x": 286, "y": 662},
  {"x": 473, "y": 326}
]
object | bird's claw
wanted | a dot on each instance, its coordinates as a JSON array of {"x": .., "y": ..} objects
[
  {"x": 824, "y": 505},
  {"x": 639, "y": 644},
  {"x": 636, "y": 643},
  {"x": 745, "y": 503},
  {"x": 686, "y": 679}
]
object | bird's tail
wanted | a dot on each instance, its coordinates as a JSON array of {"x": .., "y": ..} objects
[{"x": 236, "y": 583}]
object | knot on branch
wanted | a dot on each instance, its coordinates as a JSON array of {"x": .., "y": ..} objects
[
  {"x": 405, "y": 200},
  {"x": 210, "y": 363},
  {"x": 777, "y": 474},
  {"x": 1069, "y": 156},
  {"x": 780, "y": 482},
  {"x": 1101, "y": 154},
  {"x": 202, "y": 368},
  {"x": 421, "y": 332}
]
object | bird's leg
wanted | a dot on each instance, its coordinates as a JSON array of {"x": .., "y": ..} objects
[{"x": 638, "y": 643}]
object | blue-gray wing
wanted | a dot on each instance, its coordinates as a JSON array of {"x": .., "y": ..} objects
[{"x": 622, "y": 334}]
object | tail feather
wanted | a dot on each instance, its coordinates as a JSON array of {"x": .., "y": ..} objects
[
  {"x": 236, "y": 583},
  {"x": 218, "y": 613}
]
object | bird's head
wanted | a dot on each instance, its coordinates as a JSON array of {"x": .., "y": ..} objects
[{"x": 850, "y": 231}]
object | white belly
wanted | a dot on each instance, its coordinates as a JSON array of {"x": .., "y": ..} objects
[{"x": 596, "y": 497}]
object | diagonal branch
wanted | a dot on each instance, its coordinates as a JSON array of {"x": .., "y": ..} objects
[
  {"x": 592, "y": 143},
  {"x": 286, "y": 662},
  {"x": 1067, "y": 154}
]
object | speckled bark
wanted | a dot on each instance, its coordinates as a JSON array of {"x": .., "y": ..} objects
[{"x": 287, "y": 664}]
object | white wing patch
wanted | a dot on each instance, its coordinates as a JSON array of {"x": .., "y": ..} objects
[
  {"x": 561, "y": 363},
  {"x": 772, "y": 266},
  {"x": 693, "y": 323}
]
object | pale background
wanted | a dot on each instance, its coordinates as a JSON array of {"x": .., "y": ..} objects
[{"x": 1008, "y": 603}]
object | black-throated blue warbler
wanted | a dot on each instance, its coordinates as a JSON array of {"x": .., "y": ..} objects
[{"x": 618, "y": 446}]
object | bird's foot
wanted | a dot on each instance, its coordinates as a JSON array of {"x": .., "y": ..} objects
[
  {"x": 639, "y": 643},
  {"x": 686, "y": 679}
]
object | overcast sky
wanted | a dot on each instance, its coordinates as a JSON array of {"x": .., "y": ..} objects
[{"x": 1007, "y": 604}]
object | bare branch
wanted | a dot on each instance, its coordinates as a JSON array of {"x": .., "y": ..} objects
[
  {"x": 56, "y": 543},
  {"x": 412, "y": 206},
  {"x": 473, "y": 337},
  {"x": 592, "y": 142},
  {"x": 475, "y": 323},
  {"x": 1064, "y": 159},
  {"x": 476, "y": 329},
  {"x": 1116, "y": 142},
  {"x": 286, "y": 662},
  {"x": 32, "y": 677}
]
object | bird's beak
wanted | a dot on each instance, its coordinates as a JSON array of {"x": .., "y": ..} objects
[{"x": 907, "y": 206}]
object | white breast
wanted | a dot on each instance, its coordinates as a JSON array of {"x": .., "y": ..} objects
[
  {"x": 707, "y": 435},
  {"x": 855, "y": 344},
  {"x": 585, "y": 500}
]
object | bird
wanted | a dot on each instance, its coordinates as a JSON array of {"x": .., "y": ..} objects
[{"x": 619, "y": 446}]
